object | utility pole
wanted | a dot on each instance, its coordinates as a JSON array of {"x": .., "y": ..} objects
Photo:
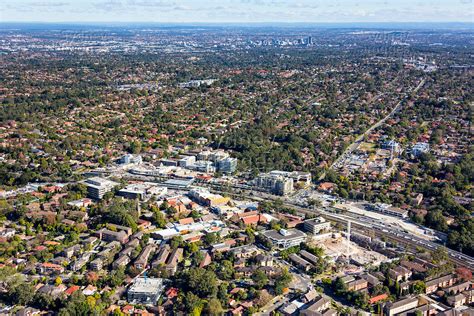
[{"x": 348, "y": 237}]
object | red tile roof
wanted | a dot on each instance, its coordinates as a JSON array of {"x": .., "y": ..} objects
[
  {"x": 172, "y": 292},
  {"x": 377, "y": 298},
  {"x": 254, "y": 219},
  {"x": 187, "y": 220},
  {"x": 72, "y": 289},
  {"x": 247, "y": 214}
]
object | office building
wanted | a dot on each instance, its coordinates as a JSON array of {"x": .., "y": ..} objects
[
  {"x": 315, "y": 226},
  {"x": 131, "y": 159},
  {"x": 285, "y": 238},
  {"x": 203, "y": 166},
  {"x": 186, "y": 161},
  {"x": 134, "y": 191},
  {"x": 97, "y": 187},
  {"x": 227, "y": 165},
  {"x": 297, "y": 176},
  {"x": 282, "y": 182}
]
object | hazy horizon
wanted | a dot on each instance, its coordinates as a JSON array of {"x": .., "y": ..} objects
[
  {"x": 461, "y": 26},
  {"x": 237, "y": 11}
]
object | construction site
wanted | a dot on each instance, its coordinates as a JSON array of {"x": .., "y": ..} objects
[{"x": 343, "y": 246}]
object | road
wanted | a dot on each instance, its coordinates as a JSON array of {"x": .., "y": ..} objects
[
  {"x": 359, "y": 222},
  {"x": 337, "y": 163},
  {"x": 273, "y": 305},
  {"x": 389, "y": 232},
  {"x": 362, "y": 224}
]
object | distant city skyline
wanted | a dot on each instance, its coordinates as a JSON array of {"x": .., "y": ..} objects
[{"x": 237, "y": 11}]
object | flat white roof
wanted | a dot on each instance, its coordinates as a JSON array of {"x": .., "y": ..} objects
[{"x": 147, "y": 285}]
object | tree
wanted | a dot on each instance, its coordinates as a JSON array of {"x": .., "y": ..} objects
[
  {"x": 135, "y": 147},
  {"x": 282, "y": 281},
  {"x": 22, "y": 294},
  {"x": 159, "y": 218},
  {"x": 339, "y": 286},
  {"x": 260, "y": 279},
  {"x": 192, "y": 303},
  {"x": 397, "y": 289},
  {"x": 436, "y": 220},
  {"x": 440, "y": 255},
  {"x": 123, "y": 213},
  {"x": 77, "y": 305},
  {"x": 44, "y": 301},
  {"x": 117, "y": 312},
  {"x": 92, "y": 277},
  {"x": 464, "y": 274},
  {"x": 314, "y": 203},
  {"x": 191, "y": 248},
  {"x": 360, "y": 300},
  {"x": 214, "y": 307},
  {"x": 418, "y": 287},
  {"x": 176, "y": 241},
  {"x": 58, "y": 281},
  {"x": 117, "y": 277},
  {"x": 343, "y": 193},
  {"x": 201, "y": 282},
  {"x": 226, "y": 270},
  {"x": 210, "y": 238},
  {"x": 222, "y": 292}
]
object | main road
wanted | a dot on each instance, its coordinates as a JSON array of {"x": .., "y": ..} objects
[{"x": 360, "y": 138}]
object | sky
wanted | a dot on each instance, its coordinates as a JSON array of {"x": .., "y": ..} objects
[{"x": 241, "y": 11}]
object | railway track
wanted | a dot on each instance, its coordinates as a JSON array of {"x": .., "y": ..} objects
[{"x": 356, "y": 225}]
